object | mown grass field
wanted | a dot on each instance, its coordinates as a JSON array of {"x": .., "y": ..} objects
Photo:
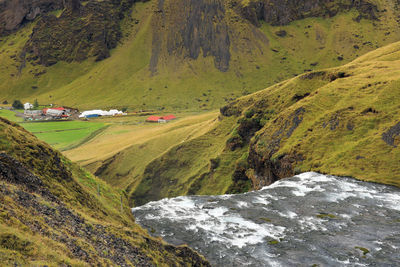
[{"x": 63, "y": 134}]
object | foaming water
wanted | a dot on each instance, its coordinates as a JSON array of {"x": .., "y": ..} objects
[{"x": 304, "y": 220}]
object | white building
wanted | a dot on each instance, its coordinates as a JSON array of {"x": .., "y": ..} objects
[
  {"x": 28, "y": 106},
  {"x": 99, "y": 112}
]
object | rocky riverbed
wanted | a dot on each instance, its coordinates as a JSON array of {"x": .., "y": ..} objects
[{"x": 304, "y": 220}]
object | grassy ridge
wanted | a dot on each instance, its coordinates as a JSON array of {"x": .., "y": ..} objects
[
  {"x": 347, "y": 112},
  {"x": 340, "y": 121},
  {"x": 55, "y": 213},
  {"x": 120, "y": 154}
]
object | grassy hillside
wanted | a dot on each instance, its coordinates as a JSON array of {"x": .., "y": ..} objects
[
  {"x": 341, "y": 121},
  {"x": 259, "y": 55},
  {"x": 55, "y": 213},
  {"x": 120, "y": 154}
]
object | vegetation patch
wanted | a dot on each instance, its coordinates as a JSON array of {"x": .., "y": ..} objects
[
  {"x": 326, "y": 216},
  {"x": 365, "y": 251},
  {"x": 13, "y": 242}
]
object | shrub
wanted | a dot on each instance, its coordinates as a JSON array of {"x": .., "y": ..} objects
[
  {"x": 249, "y": 113},
  {"x": 17, "y": 104}
]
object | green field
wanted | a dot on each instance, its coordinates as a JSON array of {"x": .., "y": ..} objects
[
  {"x": 64, "y": 134},
  {"x": 10, "y": 115}
]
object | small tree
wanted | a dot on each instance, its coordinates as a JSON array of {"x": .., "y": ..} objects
[
  {"x": 17, "y": 104},
  {"x": 5, "y": 102},
  {"x": 35, "y": 104}
]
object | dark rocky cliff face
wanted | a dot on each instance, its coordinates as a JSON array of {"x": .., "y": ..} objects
[
  {"x": 13, "y": 13},
  {"x": 183, "y": 29},
  {"x": 190, "y": 28},
  {"x": 278, "y": 12},
  {"x": 199, "y": 28},
  {"x": 80, "y": 32}
]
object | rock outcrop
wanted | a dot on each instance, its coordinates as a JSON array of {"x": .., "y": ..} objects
[
  {"x": 14, "y": 13},
  {"x": 276, "y": 12},
  {"x": 187, "y": 29},
  {"x": 80, "y": 32},
  {"x": 191, "y": 29}
]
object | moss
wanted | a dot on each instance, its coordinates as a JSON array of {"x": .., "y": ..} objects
[
  {"x": 365, "y": 251},
  {"x": 273, "y": 242},
  {"x": 326, "y": 216}
]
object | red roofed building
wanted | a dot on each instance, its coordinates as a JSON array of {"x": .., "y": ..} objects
[
  {"x": 168, "y": 117},
  {"x": 153, "y": 119},
  {"x": 161, "y": 119}
]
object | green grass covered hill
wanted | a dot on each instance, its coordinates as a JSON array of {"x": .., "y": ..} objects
[
  {"x": 341, "y": 121},
  {"x": 147, "y": 60},
  {"x": 54, "y": 213}
]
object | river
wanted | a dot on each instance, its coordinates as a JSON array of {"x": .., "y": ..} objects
[{"x": 303, "y": 220}]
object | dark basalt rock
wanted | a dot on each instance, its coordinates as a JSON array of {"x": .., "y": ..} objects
[
  {"x": 390, "y": 135},
  {"x": 266, "y": 169},
  {"x": 80, "y": 32},
  {"x": 203, "y": 30},
  {"x": 14, "y": 13},
  {"x": 277, "y": 12},
  {"x": 14, "y": 172},
  {"x": 281, "y": 33}
]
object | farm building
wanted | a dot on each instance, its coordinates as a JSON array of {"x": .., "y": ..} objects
[
  {"x": 160, "y": 119},
  {"x": 52, "y": 110},
  {"x": 59, "y": 112},
  {"x": 71, "y": 110},
  {"x": 153, "y": 119},
  {"x": 33, "y": 113},
  {"x": 168, "y": 117},
  {"x": 99, "y": 112},
  {"x": 28, "y": 106}
]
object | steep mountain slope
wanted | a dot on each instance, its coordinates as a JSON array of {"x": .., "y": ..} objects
[
  {"x": 341, "y": 121},
  {"x": 178, "y": 54},
  {"x": 54, "y": 213}
]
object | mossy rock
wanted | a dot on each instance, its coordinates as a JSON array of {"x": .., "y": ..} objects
[{"x": 365, "y": 251}]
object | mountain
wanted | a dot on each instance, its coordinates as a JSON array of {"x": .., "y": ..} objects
[
  {"x": 341, "y": 121},
  {"x": 170, "y": 54},
  {"x": 53, "y": 212}
]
